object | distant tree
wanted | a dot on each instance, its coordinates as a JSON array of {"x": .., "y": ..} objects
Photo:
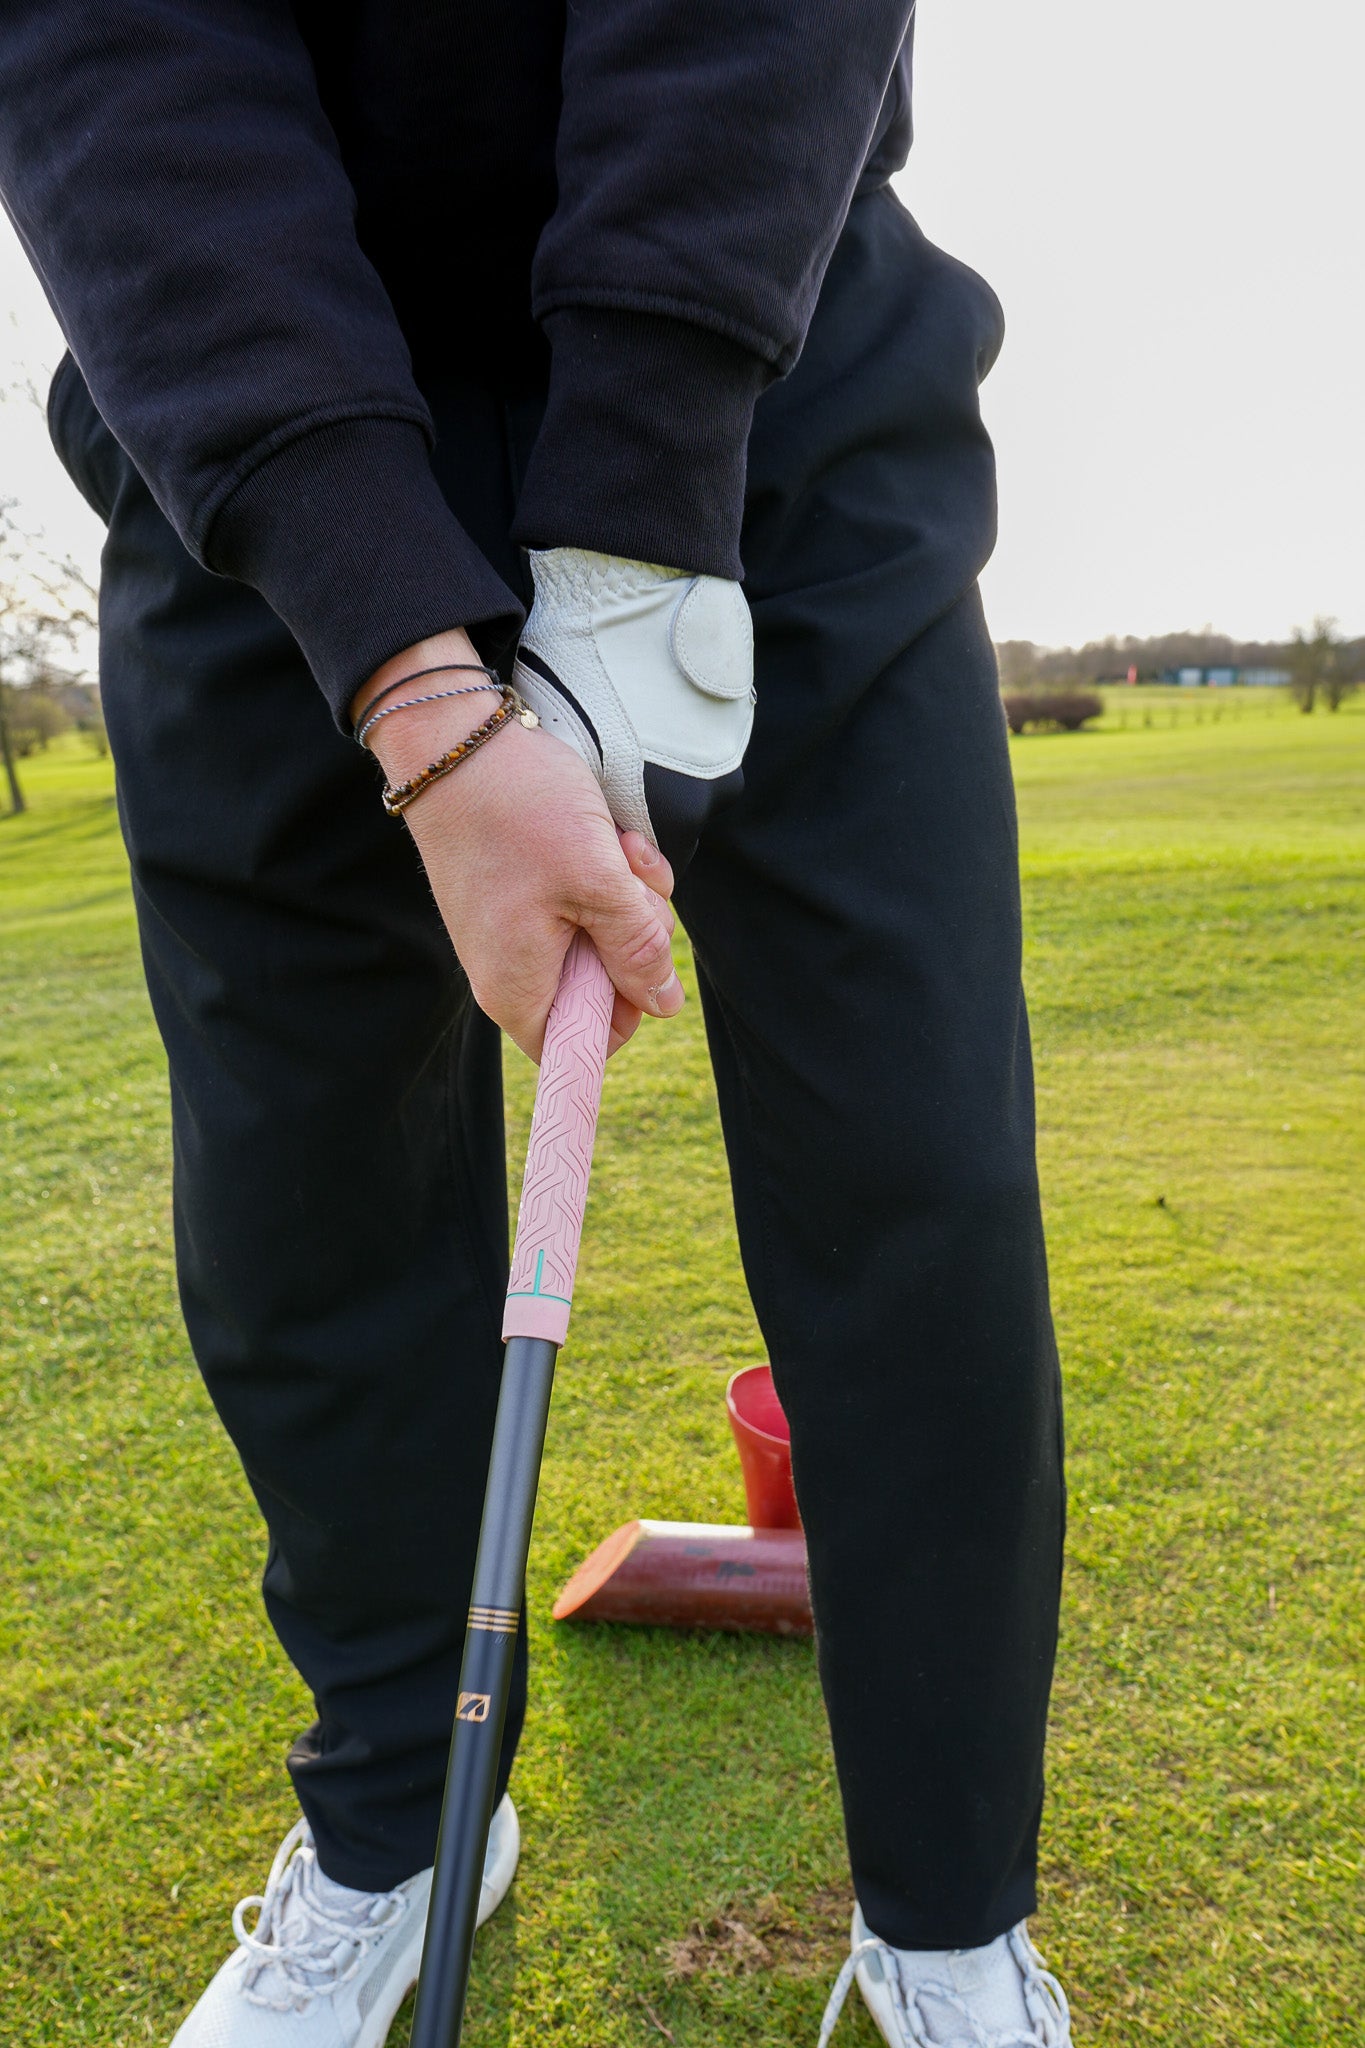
[
  {"x": 45, "y": 606},
  {"x": 16, "y": 790},
  {"x": 1017, "y": 661},
  {"x": 1315, "y": 666},
  {"x": 1345, "y": 674},
  {"x": 35, "y": 718}
]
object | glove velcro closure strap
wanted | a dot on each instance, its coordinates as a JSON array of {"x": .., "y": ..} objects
[{"x": 712, "y": 639}]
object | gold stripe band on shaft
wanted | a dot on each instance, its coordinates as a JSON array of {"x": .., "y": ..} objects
[{"x": 498, "y": 1621}]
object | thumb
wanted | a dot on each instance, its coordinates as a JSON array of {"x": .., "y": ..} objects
[{"x": 631, "y": 928}]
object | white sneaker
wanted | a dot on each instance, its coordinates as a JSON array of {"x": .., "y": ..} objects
[
  {"x": 324, "y": 1966},
  {"x": 999, "y": 1996}
]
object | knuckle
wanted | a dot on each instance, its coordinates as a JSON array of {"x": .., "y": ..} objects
[{"x": 649, "y": 952}]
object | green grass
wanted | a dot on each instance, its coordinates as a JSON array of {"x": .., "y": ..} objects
[{"x": 1196, "y": 920}]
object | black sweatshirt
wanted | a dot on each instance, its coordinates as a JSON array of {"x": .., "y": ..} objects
[{"x": 259, "y": 222}]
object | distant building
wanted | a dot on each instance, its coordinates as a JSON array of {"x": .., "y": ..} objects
[{"x": 1225, "y": 678}]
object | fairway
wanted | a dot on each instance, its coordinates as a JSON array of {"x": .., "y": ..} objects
[{"x": 1195, "y": 903}]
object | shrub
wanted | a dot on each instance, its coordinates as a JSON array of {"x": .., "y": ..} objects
[{"x": 1063, "y": 710}]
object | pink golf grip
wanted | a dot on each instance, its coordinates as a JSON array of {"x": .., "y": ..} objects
[{"x": 559, "y": 1156}]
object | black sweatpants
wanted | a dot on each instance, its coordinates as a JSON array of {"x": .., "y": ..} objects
[{"x": 340, "y": 1202}]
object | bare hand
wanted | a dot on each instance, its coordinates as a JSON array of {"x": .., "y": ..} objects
[{"x": 521, "y": 851}]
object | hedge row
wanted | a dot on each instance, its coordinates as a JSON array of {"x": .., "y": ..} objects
[{"x": 1067, "y": 709}]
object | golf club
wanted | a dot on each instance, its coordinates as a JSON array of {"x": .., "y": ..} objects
[{"x": 535, "y": 1323}]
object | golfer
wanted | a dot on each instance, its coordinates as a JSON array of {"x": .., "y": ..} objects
[{"x": 401, "y": 339}]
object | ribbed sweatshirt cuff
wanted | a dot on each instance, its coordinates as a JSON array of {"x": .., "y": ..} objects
[
  {"x": 346, "y": 535},
  {"x": 642, "y": 451}
]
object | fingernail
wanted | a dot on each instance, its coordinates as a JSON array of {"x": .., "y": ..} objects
[
  {"x": 668, "y": 998},
  {"x": 648, "y": 856}
]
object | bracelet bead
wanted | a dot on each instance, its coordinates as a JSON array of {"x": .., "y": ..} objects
[{"x": 397, "y": 796}]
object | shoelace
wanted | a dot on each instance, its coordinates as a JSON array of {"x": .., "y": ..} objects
[
  {"x": 308, "y": 1963},
  {"x": 1044, "y": 2000}
]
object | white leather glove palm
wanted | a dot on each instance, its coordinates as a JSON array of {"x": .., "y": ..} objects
[{"x": 648, "y": 674}]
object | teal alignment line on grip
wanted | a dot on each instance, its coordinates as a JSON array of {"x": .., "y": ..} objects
[
  {"x": 559, "y": 1155},
  {"x": 537, "y": 1293}
]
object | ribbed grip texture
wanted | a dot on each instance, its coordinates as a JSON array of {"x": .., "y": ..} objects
[{"x": 559, "y": 1156}]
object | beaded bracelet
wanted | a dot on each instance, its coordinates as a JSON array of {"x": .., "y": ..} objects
[
  {"x": 397, "y": 797},
  {"x": 419, "y": 675}
]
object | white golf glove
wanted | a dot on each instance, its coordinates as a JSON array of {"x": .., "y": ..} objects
[{"x": 649, "y": 674}]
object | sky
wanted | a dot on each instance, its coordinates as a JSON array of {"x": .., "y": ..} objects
[{"x": 1168, "y": 200}]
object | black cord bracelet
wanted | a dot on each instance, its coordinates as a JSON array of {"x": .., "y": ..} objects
[{"x": 442, "y": 668}]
